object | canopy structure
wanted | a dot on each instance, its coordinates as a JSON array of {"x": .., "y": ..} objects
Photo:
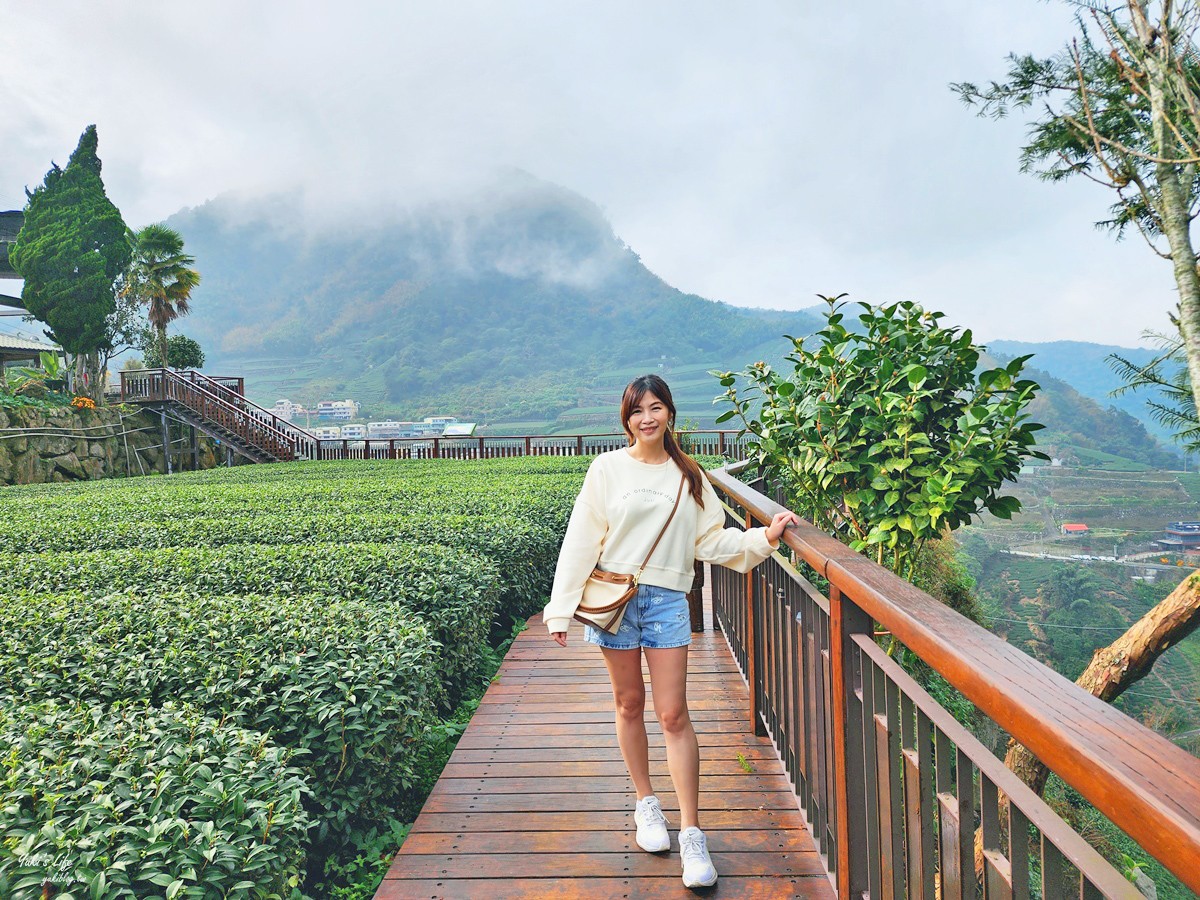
[{"x": 23, "y": 350}]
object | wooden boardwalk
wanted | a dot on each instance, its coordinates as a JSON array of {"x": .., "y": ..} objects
[{"x": 536, "y": 801}]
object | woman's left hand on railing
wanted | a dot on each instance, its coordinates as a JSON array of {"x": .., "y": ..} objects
[{"x": 779, "y": 522}]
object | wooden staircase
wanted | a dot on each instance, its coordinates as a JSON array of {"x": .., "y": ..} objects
[{"x": 219, "y": 408}]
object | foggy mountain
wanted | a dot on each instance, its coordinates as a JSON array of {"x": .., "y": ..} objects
[
  {"x": 504, "y": 302},
  {"x": 513, "y": 302}
]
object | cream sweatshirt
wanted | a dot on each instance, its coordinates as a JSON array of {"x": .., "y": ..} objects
[{"x": 620, "y": 510}]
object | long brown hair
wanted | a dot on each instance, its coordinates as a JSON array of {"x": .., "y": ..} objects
[{"x": 652, "y": 384}]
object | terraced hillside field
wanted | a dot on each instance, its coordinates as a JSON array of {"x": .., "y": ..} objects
[
  {"x": 1129, "y": 509},
  {"x": 214, "y": 683}
]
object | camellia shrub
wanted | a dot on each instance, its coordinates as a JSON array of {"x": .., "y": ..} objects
[
  {"x": 134, "y": 802},
  {"x": 886, "y": 433},
  {"x": 513, "y": 514},
  {"x": 336, "y": 611},
  {"x": 345, "y": 685}
]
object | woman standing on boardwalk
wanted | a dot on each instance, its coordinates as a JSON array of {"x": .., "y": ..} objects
[{"x": 626, "y": 497}]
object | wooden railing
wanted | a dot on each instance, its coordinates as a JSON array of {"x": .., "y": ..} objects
[
  {"x": 232, "y": 389},
  {"x": 224, "y": 384},
  {"x": 225, "y": 398},
  {"x": 714, "y": 443},
  {"x": 220, "y": 406},
  {"x": 893, "y": 787}
]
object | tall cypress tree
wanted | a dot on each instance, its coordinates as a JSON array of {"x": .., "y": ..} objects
[{"x": 70, "y": 251}]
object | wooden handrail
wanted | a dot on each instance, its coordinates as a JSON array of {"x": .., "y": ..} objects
[
  {"x": 304, "y": 444},
  {"x": 165, "y": 384},
  {"x": 237, "y": 397},
  {"x": 1146, "y": 785}
]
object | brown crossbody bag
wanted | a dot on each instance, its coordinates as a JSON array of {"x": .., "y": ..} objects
[{"x": 605, "y": 594}]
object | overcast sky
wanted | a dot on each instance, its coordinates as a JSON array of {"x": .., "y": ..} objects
[{"x": 757, "y": 153}]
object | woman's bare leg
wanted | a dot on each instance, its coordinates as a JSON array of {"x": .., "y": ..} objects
[
  {"x": 629, "y": 694},
  {"x": 668, "y": 681}
]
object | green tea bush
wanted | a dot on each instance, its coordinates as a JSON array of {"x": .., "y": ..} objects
[
  {"x": 349, "y": 600},
  {"x": 524, "y": 550},
  {"x": 455, "y": 591},
  {"x": 348, "y": 683},
  {"x": 514, "y": 514},
  {"x": 131, "y": 802}
]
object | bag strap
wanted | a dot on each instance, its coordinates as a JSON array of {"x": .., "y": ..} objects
[{"x": 654, "y": 546}]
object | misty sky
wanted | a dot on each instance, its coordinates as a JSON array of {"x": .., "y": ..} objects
[{"x": 756, "y": 153}]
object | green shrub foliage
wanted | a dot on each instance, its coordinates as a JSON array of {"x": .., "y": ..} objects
[
  {"x": 332, "y": 612},
  {"x": 346, "y": 682},
  {"x": 512, "y": 511},
  {"x": 883, "y": 430},
  {"x": 455, "y": 592},
  {"x": 130, "y": 802}
]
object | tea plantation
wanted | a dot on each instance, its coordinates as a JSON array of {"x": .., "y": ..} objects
[{"x": 214, "y": 685}]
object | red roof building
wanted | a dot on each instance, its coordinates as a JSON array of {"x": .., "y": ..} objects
[{"x": 1074, "y": 528}]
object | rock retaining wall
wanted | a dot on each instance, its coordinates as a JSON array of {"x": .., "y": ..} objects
[{"x": 38, "y": 446}]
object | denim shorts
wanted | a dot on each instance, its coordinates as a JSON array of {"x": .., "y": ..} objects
[{"x": 657, "y": 618}]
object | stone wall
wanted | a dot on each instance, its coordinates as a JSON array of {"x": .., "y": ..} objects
[{"x": 38, "y": 446}]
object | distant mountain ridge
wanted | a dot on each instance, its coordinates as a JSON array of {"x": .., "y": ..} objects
[
  {"x": 515, "y": 306},
  {"x": 514, "y": 298},
  {"x": 1084, "y": 366}
]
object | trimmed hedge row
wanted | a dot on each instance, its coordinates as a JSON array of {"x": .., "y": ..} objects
[
  {"x": 336, "y": 653},
  {"x": 392, "y": 485},
  {"x": 140, "y": 803},
  {"x": 525, "y": 551},
  {"x": 347, "y": 683},
  {"x": 455, "y": 592}
]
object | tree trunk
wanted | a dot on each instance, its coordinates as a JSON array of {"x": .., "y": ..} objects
[
  {"x": 1172, "y": 205},
  {"x": 1176, "y": 227},
  {"x": 87, "y": 382},
  {"x": 1113, "y": 669},
  {"x": 162, "y": 346}
]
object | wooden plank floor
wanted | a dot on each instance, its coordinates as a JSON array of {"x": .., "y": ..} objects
[{"x": 536, "y": 801}]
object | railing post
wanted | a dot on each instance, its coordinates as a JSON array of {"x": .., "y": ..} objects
[
  {"x": 849, "y": 770},
  {"x": 436, "y": 449},
  {"x": 756, "y": 720},
  {"x": 720, "y": 443},
  {"x": 579, "y": 445},
  {"x": 166, "y": 439}
]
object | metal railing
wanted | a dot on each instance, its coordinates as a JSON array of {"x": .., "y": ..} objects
[{"x": 893, "y": 787}]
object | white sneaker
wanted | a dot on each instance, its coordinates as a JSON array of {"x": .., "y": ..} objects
[
  {"x": 651, "y": 825},
  {"x": 698, "y": 869}
]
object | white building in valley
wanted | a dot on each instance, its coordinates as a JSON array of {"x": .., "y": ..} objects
[
  {"x": 388, "y": 429},
  {"x": 287, "y": 410},
  {"x": 338, "y": 410}
]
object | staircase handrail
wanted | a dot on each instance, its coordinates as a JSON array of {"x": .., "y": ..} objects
[
  {"x": 281, "y": 424},
  {"x": 281, "y": 439}
]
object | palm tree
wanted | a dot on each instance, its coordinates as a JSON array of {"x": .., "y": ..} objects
[{"x": 161, "y": 276}]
